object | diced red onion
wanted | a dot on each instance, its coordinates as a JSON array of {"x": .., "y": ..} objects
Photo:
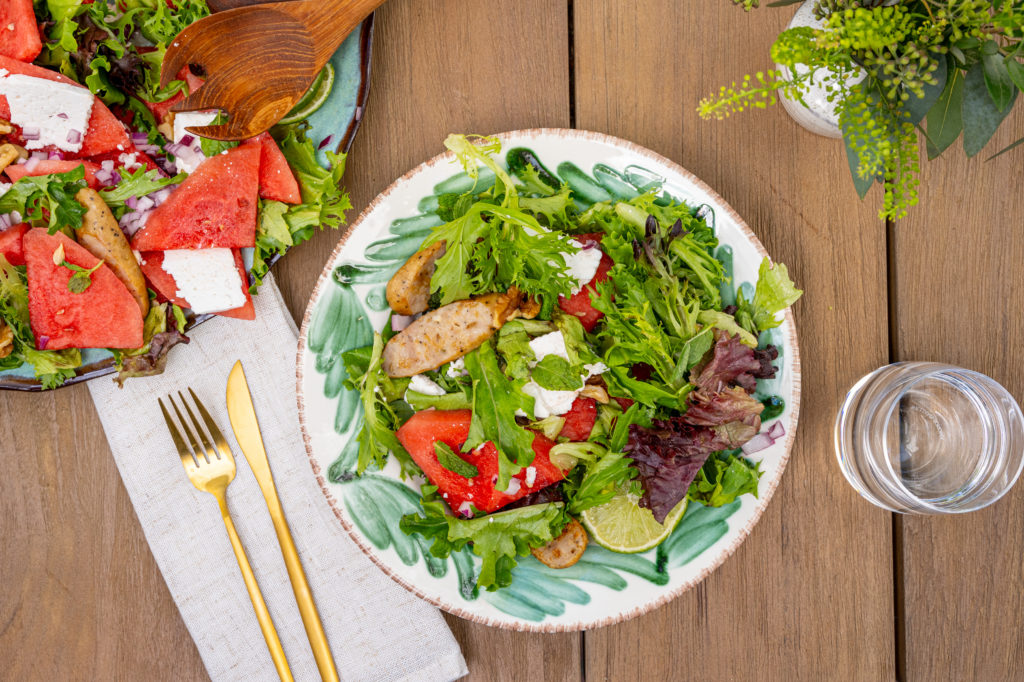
[
  {"x": 15, "y": 217},
  {"x": 132, "y": 202},
  {"x": 63, "y": 116},
  {"x": 42, "y": 156},
  {"x": 31, "y": 163},
  {"x": 104, "y": 176},
  {"x": 777, "y": 431},
  {"x": 139, "y": 137},
  {"x": 758, "y": 443},
  {"x": 115, "y": 177},
  {"x": 55, "y": 156},
  {"x": 326, "y": 141},
  {"x": 161, "y": 195},
  {"x": 187, "y": 140},
  {"x": 42, "y": 342},
  {"x": 5, "y": 221},
  {"x": 30, "y": 132},
  {"x": 466, "y": 510},
  {"x": 74, "y": 136},
  {"x": 145, "y": 203},
  {"x": 400, "y": 322}
]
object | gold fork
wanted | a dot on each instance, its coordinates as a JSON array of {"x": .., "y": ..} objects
[{"x": 211, "y": 469}]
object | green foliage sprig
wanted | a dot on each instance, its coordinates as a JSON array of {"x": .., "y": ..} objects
[{"x": 938, "y": 68}]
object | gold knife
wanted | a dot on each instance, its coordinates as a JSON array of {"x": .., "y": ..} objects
[{"x": 247, "y": 432}]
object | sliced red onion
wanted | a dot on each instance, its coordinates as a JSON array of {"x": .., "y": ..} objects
[
  {"x": 42, "y": 342},
  {"x": 74, "y": 136},
  {"x": 187, "y": 140},
  {"x": 31, "y": 163},
  {"x": 132, "y": 202},
  {"x": 326, "y": 141},
  {"x": 30, "y": 132},
  {"x": 777, "y": 431},
  {"x": 63, "y": 116},
  {"x": 757, "y": 444}
]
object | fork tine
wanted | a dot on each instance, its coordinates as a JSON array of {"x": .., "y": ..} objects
[
  {"x": 211, "y": 453},
  {"x": 186, "y": 455},
  {"x": 200, "y": 452},
  {"x": 211, "y": 426}
]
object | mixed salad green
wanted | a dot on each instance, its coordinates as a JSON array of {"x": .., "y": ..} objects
[{"x": 607, "y": 383}]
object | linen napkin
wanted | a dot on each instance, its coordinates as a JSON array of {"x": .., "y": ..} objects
[{"x": 376, "y": 629}]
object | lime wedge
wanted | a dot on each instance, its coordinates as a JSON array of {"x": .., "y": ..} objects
[
  {"x": 314, "y": 97},
  {"x": 623, "y": 526}
]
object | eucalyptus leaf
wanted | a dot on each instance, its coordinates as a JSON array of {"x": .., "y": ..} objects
[
  {"x": 918, "y": 107},
  {"x": 945, "y": 119},
  {"x": 997, "y": 78},
  {"x": 862, "y": 185},
  {"x": 981, "y": 117}
]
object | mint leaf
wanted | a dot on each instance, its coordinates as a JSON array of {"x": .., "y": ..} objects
[{"x": 452, "y": 462}]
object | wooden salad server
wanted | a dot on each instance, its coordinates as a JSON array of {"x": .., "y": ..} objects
[{"x": 259, "y": 59}]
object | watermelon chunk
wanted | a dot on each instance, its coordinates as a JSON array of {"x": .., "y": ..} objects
[
  {"x": 164, "y": 284},
  {"x": 105, "y": 132},
  {"x": 18, "y": 171},
  {"x": 105, "y": 315},
  {"x": 214, "y": 207},
  {"x": 19, "y": 34},
  {"x": 277, "y": 182},
  {"x": 10, "y": 244}
]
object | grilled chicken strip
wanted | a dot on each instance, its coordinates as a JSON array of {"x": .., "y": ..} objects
[
  {"x": 448, "y": 333},
  {"x": 409, "y": 290}
]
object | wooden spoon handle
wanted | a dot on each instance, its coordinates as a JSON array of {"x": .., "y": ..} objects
[
  {"x": 223, "y": 5},
  {"x": 331, "y": 21}
]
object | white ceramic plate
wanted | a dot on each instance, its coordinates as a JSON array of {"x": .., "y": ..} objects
[{"x": 348, "y": 304}]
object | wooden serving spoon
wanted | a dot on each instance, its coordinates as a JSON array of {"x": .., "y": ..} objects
[{"x": 259, "y": 59}]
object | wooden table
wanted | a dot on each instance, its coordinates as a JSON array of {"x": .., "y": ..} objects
[{"x": 826, "y": 586}]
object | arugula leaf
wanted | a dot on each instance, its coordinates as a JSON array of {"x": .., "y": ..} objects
[
  {"x": 556, "y": 374},
  {"x": 137, "y": 183},
  {"x": 496, "y": 538},
  {"x": 495, "y": 401},
  {"x": 452, "y": 462},
  {"x": 724, "y": 478},
  {"x": 774, "y": 293},
  {"x": 377, "y": 438},
  {"x": 55, "y": 193}
]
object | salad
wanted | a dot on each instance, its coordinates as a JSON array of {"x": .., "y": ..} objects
[
  {"x": 555, "y": 376},
  {"x": 118, "y": 225}
]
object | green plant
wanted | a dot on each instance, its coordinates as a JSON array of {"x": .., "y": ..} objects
[{"x": 937, "y": 68}]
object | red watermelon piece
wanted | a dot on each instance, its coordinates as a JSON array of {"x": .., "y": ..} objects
[
  {"x": 103, "y": 316},
  {"x": 214, "y": 207},
  {"x": 105, "y": 132},
  {"x": 165, "y": 285},
  {"x": 10, "y": 243},
  {"x": 19, "y": 34},
  {"x": 18, "y": 171},
  {"x": 277, "y": 182}
]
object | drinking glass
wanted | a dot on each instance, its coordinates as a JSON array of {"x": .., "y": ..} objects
[{"x": 929, "y": 438}]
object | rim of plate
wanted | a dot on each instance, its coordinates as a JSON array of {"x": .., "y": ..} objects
[
  {"x": 105, "y": 367},
  {"x": 793, "y": 350}
]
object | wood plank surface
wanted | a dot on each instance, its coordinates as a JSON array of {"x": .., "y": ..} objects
[
  {"x": 959, "y": 285},
  {"x": 808, "y": 596}
]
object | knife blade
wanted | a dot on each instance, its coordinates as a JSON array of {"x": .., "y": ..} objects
[{"x": 242, "y": 414}]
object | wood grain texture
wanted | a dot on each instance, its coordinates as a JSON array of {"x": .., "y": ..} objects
[
  {"x": 438, "y": 68},
  {"x": 808, "y": 596},
  {"x": 82, "y": 598},
  {"x": 963, "y": 574}
]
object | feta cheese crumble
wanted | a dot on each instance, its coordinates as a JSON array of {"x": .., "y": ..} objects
[
  {"x": 549, "y": 403},
  {"x": 457, "y": 368},
  {"x": 206, "y": 278},
  {"x": 552, "y": 343},
  {"x": 531, "y": 476},
  {"x": 582, "y": 265},
  {"x": 59, "y": 112},
  {"x": 183, "y": 120},
  {"x": 424, "y": 385}
]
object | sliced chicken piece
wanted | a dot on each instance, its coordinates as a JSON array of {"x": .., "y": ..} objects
[
  {"x": 409, "y": 290},
  {"x": 102, "y": 237},
  {"x": 566, "y": 549},
  {"x": 448, "y": 333}
]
